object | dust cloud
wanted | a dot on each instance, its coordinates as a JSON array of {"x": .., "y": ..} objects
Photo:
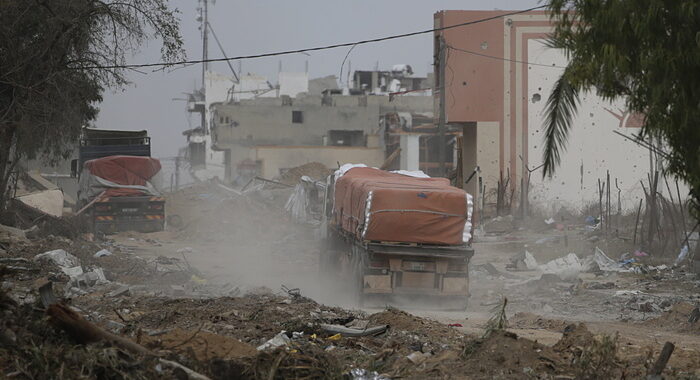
[{"x": 247, "y": 240}]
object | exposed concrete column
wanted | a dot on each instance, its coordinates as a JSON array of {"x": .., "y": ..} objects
[{"x": 410, "y": 152}]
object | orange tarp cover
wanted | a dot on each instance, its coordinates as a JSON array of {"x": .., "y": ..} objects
[
  {"x": 124, "y": 170},
  {"x": 402, "y": 208}
]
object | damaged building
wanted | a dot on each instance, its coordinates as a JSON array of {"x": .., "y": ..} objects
[
  {"x": 301, "y": 121},
  {"x": 494, "y": 79}
]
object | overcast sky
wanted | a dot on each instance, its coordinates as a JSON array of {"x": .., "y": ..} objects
[{"x": 259, "y": 26}]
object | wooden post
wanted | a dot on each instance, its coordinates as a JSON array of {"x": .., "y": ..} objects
[
  {"x": 658, "y": 368},
  {"x": 636, "y": 223}
]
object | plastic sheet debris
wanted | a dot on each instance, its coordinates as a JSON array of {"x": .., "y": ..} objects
[
  {"x": 298, "y": 203},
  {"x": 103, "y": 253},
  {"x": 338, "y": 330},
  {"x": 681, "y": 256},
  {"x": 607, "y": 264},
  {"x": 363, "y": 374},
  {"x": 278, "y": 340},
  {"x": 567, "y": 267},
  {"x": 549, "y": 221}
]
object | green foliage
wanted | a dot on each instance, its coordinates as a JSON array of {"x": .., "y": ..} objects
[
  {"x": 646, "y": 52},
  {"x": 50, "y": 85}
]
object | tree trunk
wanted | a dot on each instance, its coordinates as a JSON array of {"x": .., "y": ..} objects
[{"x": 6, "y": 139}]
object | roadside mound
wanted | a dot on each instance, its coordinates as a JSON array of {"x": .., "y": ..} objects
[{"x": 676, "y": 319}]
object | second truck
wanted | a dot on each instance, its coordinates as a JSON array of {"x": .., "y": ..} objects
[
  {"x": 397, "y": 238},
  {"x": 115, "y": 171}
]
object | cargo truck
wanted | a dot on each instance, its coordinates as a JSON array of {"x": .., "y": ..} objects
[
  {"x": 393, "y": 238},
  {"x": 115, "y": 170}
]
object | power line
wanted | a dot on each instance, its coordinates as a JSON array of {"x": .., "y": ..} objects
[
  {"x": 503, "y": 59},
  {"x": 326, "y": 47}
]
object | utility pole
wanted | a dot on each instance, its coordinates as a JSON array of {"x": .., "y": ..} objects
[
  {"x": 205, "y": 39},
  {"x": 442, "y": 117},
  {"x": 177, "y": 173}
]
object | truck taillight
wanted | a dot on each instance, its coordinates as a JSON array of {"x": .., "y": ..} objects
[
  {"x": 102, "y": 207},
  {"x": 155, "y": 207}
]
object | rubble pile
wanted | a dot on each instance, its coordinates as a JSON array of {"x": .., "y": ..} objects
[
  {"x": 314, "y": 170},
  {"x": 96, "y": 307}
]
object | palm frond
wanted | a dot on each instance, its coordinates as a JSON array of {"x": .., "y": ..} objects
[{"x": 560, "y": 110}]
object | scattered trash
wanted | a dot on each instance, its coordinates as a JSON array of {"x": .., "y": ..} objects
[
  {"x": 639, "y": 253},
  {"x": 455, "y": 325},
  {"x": 353, "y": 332},
  {"x": 681, "y": 256},
  {"x": 418, "y": 357},
  {"x": 363, "y": 374},
  {"x": 567, "y": 267},
  {"x": 103, "y": 253},
  {"x": 607, "y": 264},
  {"x": 278, "y": 340},
  {"x": 549, "y": 221}
]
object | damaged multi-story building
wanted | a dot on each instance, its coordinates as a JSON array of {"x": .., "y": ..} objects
[
  {"x": 263, "y": 129},
  {"x": 493, "y": 80}
]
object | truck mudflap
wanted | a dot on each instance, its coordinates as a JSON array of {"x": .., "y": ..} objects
[{"x": 143, "y": 214}]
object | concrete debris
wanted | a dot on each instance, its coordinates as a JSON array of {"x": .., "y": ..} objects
[
  {"x": 121, "y": 291},
  {"x": 522, "y": 261},
  {"x": 47, "y": 201},
  {"x": 9, "y": 234},
  {"x": 95, "y": 276},
  {"x": 59, "y": 257}
]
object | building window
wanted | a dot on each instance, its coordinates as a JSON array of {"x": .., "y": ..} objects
[
  {"x": 297, "y": 117},
  {"x": 346, "y": 138}
]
